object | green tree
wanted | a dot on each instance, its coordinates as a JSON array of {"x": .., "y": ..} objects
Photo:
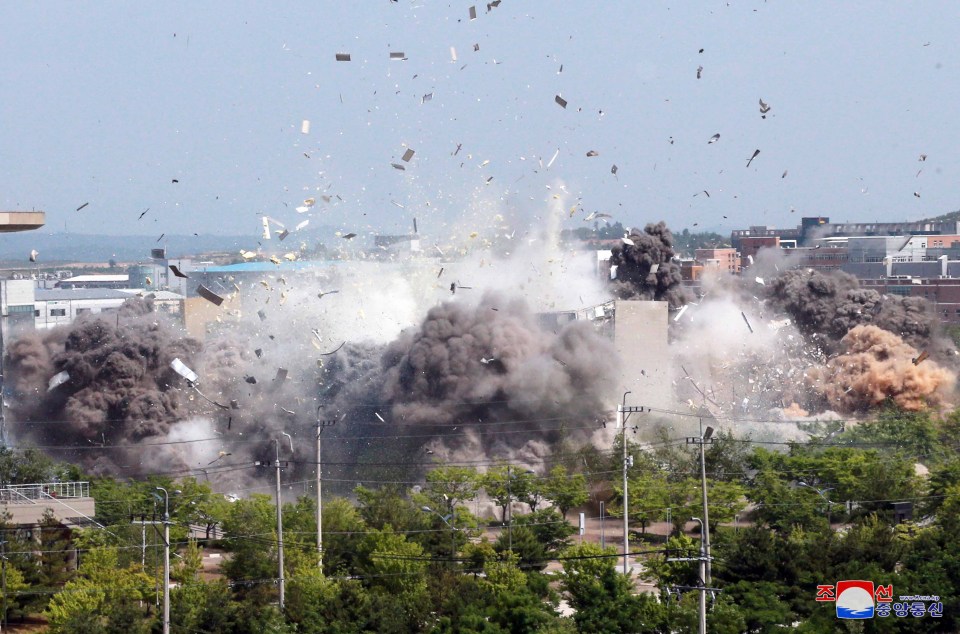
[
  {"x": 103, "y": 598},
  {"x": 566, "y": 490},
  {"x": 198, "y": 606},
  {"x": 449, "y": 486},
  {"x": 603, "y": 599}
]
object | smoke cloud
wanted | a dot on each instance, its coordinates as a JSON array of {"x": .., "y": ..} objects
[
  {"x": 874, "y": 366},
  {"x": 645, "y": 268}
]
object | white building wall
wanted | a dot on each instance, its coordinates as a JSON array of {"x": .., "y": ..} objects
[{"x": 51, "y": 313}]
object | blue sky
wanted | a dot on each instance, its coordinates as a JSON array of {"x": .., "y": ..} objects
[{"x": 108, "y": 102}]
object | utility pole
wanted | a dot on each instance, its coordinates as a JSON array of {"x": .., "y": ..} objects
[
  {"x": 280, "y": 519},
  {"x": 166, "y": 560},
  {"x": 3, "y": 566},
  {"x": 509, "y": 510},
  {"x": 705, "y": 438},
  {"x": 703, "y": 576},
  {"x": 321, "y": 425},
  {"x": 623, "y": 414}
]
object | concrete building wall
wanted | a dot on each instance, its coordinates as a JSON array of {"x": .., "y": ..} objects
[{"x": 641, "y": 341}]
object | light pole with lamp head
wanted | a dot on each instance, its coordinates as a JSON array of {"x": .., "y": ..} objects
[
  {"x": 453, "y": 529},
  {"x": 823, "y": 494}
]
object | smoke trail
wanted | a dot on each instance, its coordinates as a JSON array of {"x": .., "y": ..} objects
[{"x": 645, "y": 268}]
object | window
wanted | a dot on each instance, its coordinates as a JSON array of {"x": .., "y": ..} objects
[
  {"x": 36, "y": 312},
  {"x": 58, "y": 312},
  {"x": 81, "y": 311}
]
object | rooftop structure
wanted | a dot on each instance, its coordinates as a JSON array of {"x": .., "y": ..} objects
[
  {"x": 11, "y": 221},
  {"x": 69, "y": 502}
]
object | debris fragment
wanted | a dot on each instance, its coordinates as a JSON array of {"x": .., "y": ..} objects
[
  {"x": 614, "y": 169},
  {"x": 177, "y": 272},
  {"x": 281, "y": 375},
  {"x": 750, "y": 160},
  {"x": 350, "y": 236},
  {"x": 57, "y": 380},
  {"x": 397, "y": 166},
  {"x": 398, "y": 55},
  {"x": 343, "y": 57},
  {"x": 180, "y": 368},
  {"x": 746, "y": 321},
  {"x": 593, "y": 153},
  {"x": 262, "y": 315},
  {"x": 473, "y": 13},
  {"x": 33, "y": 255},
  {"x": 283, "y": 234},
  {"x": 561, "y": 101},
  {"x": 407, "y": 155},
  {"x": 209, "y": 295},
  {"x": 326, "y": 354},
  {"x": 923, "y": 356},
  {"x": 82, "y": 206},
  {"x": 305, "y": 127},
  {"x": 714, "y": 138}
]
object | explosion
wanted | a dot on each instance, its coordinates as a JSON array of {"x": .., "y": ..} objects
[{"x": 643, "y": 267}]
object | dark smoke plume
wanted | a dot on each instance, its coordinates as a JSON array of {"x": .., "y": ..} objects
[
  {"x": 471, "y": 365},
  {"x": 827, "y": 306},
  {"x": 119, "y": 385},
  {"x": 646, "y": 270}
]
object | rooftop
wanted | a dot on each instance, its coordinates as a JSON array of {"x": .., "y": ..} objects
[
  {"x": 11, "y": 221},
  {"x": 58, "y": 294}
]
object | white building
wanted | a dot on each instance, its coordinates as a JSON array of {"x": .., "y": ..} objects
[{"x": 57, "y": 307}]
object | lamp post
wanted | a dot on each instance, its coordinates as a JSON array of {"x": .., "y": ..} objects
[
  {"x": 823, "y": 494},
  {"x": 166, "y": 560},
  {"x": 453, "y": 529}
]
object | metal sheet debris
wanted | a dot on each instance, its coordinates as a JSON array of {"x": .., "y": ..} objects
[
  {"x": 57, "y": 380},
  {"x": 305, "y": 127},
  {"x": 407, "y": 155},
  {"x": 180, "y": 368},
  {"x": 177, "y": 272},
  {"x": 209, "y": 295},
  {"x": 343, "y": 57},
  {"x": 560, "y": 101}
]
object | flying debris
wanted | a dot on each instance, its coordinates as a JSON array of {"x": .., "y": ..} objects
[
  {"x": 57, "y": 380},
  {"x": 397, "y": 166},
  {"x": 596, "y": 214},
  {"x": 917, "y": 194},
  {"x": 209, "y": 295},
  {"x": 613, "y": 169},
  {"x": 764, "y": 108},
  {"x": 322, "y": 293},
  {"x": 473, "y": 13},
  {"x": 923, "y": 157},
  {"x": 553, "y": 158},
  {"x": 82, "y": 206},
  {"x": 281, "y": 375},
  {"x": 180, "y": 368},
  {"x": 923, "y": 356},
  {"x": 407, "y": 155},
  {"x": 784, "y": 174},
  {"x": 398, "y": 56},
  {"x": 143, "y": 213},
  {"x": 746, "y": 321},
  {"x": 750, "y": 160},
  {"x": 343, "y": 57},
  {"x": 283, "y": 234},
  {"x": 714, "y": 138},
  {"x": 33, "y": 255},
  {"x": 682, "y": 310},
  {"x": 177, "y": 272},
  {"x": 593, "y": 153},
  {"x": 699, "y": 71},
  {"x": 334, "y": 351},
  {"x": 560, "y": 101},
  {"x": 349, "y": 236}
]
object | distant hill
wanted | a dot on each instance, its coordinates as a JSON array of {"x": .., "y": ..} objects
[
  {"x": 83, "y": 247},
  {"x": 953, "y": 215}
]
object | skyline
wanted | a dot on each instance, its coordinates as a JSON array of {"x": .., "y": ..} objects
[{"x": 118, "y": 102}]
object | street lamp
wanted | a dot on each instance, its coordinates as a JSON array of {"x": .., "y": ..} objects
[
  {"x": 822, "y": 493},
  {"x": 453, "y": 529}
]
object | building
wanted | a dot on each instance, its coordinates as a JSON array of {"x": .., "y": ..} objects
[
  {"x": 726, "y": 260},
  {"x": 13, "y": 221},
  {"x": 70, "y": 503},
  {"x": 817, "y": 227}
]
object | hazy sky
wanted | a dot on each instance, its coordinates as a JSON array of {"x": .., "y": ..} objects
[{"x": 106, "y": 103}]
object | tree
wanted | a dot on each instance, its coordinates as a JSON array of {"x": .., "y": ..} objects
[
  {"x": 603, "y": 598},
  {"x": 198, "y": 606},
  {"x": 103, "y": 598},
  {"x": 449, "y": 486},
  {"x": 564, "y": 490}
]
